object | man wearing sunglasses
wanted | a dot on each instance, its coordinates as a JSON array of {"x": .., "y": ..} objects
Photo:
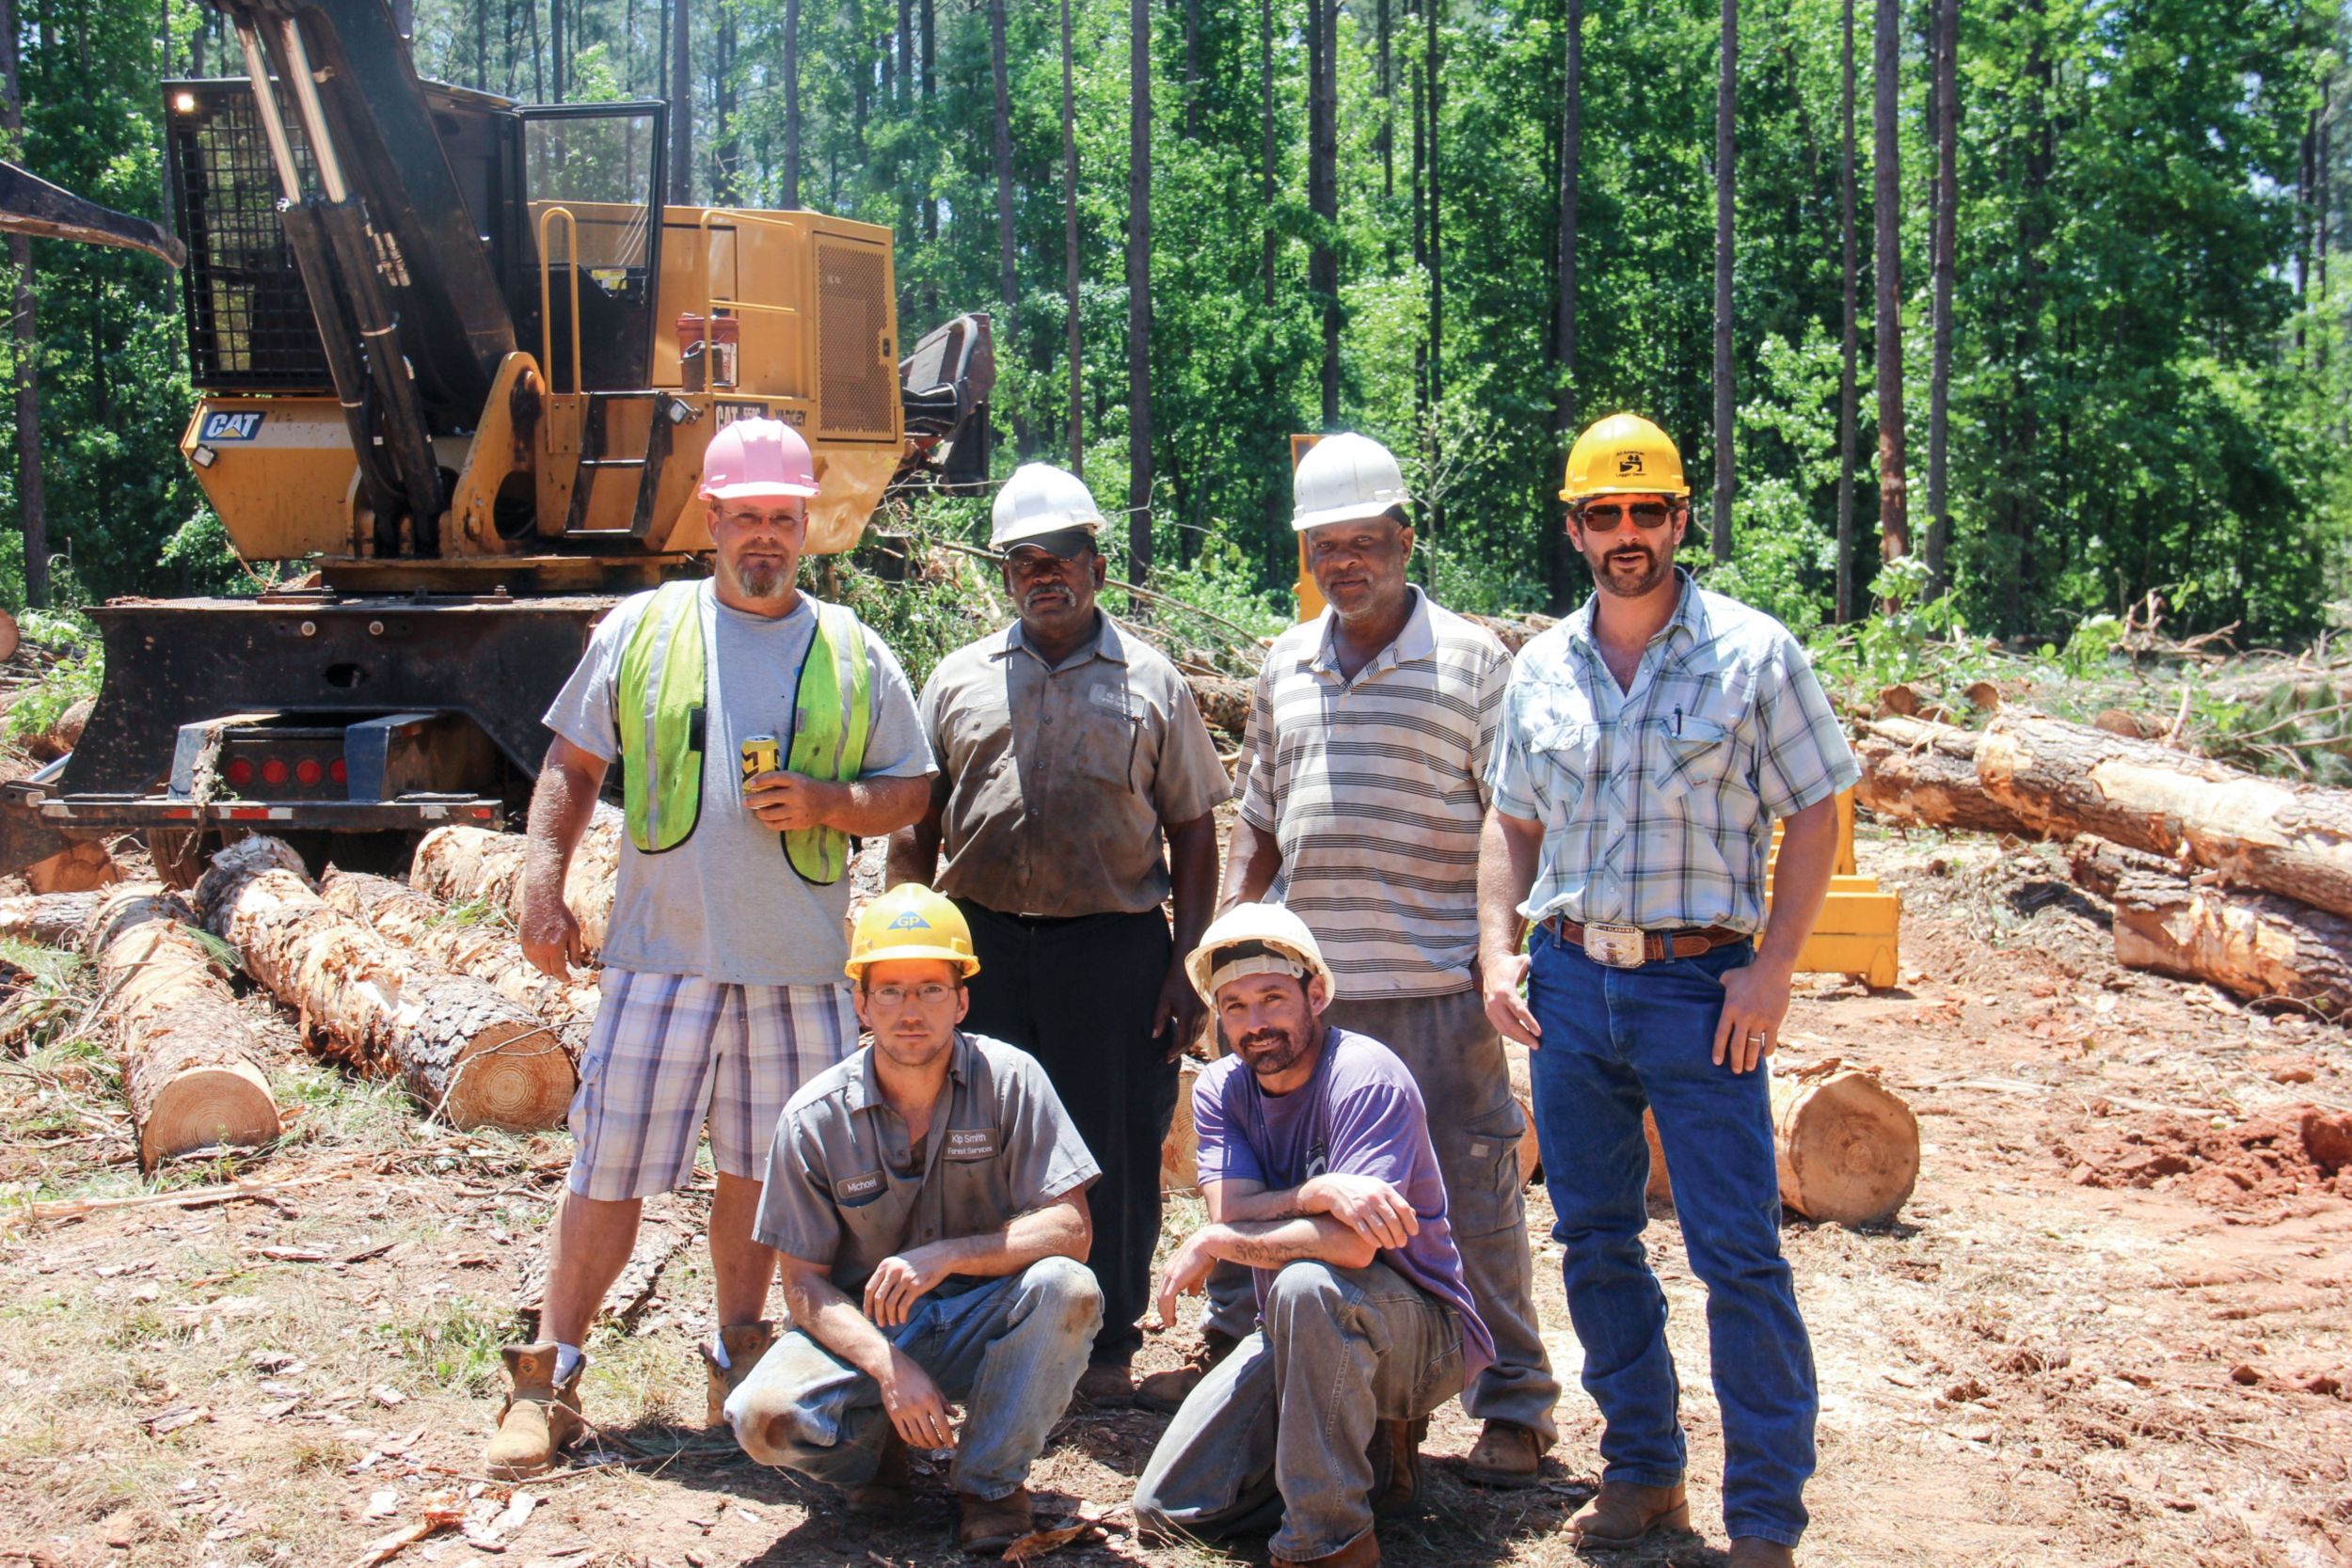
[
  {"x": 722, "y": 987},
  {"x": 1070, "y": 751},
  {"x": 1648, "y": 744}
]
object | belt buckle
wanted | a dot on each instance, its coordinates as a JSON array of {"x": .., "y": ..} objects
[{"x": 1618, "y": 946}]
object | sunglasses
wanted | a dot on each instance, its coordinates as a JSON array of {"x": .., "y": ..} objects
[{"x": 1604, "y": 516}]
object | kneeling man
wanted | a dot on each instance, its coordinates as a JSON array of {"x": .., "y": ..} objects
[
  {"x": 1316, "y": 1164},
  {"x": 928, "y": 1199}
]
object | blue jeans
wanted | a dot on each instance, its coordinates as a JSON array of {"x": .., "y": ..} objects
[
  {"x": 1613, "y": 1041},
  {"x": 1010, "y": 1350}
]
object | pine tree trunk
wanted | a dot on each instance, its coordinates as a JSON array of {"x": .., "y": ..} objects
[
  {"x": 1139, "y": 290},
  {"x": 556, "y": 57},
  {"x": 1070, "y": 255},
  {"x": 1430, "y": 68},
  {"x": 1562, "y": 557},
  {"x": 906, "y": 50},
  {"x": 1322, "y": 191},
  {"x": 1947, "y": 89},
  {"x": 1008, "y": 281},
  {"x": 1266, "y": 160},
  {"x": 469, "y": 1055},
  {"x": 31, "y": 489},
  {"x": 193, "y": 1067},
  {"x": 487, "y": 950},
  {"x": 1849, "y": 395},
  {"x": 1893, "y": 527},
  {"x": 474, "y": 865},
  {"x": 792, "y": 103},
  {"x": 1726, "y": 162},
  {"x": 681, "y": 104}
]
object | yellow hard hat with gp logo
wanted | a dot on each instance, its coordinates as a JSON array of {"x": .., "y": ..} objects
[
  {"x": 911, "y": 921},
  {"x": 1624, "y": 455}
]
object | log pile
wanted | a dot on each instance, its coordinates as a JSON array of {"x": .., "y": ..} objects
[
  {"x": 473, "y": 1058},
  {"x": 487, "y": 950},
  {"x": 191, "y": 1065},
  {"x": 475, "y": 865},
  {"x": 2215, "y": 874}
]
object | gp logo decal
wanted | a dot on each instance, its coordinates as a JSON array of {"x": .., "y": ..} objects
[{"x": 232, "y": 427}]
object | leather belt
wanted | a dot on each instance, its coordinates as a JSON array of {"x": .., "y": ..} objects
[{"x": 1612, "y": 945}]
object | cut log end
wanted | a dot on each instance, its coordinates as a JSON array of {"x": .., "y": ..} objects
[
  {"x": 1849, "y": 1149},
  {"x": 513, "y": 1077},
  {"x": 227, "y": 1106}
]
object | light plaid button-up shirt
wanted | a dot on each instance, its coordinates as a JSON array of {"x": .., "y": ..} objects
[{"x": 1658, "y": 801}]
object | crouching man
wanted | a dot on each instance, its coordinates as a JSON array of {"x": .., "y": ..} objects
[
  {"x": 1320, "y": 1176},
  {"x": 926, "y": 1198}
]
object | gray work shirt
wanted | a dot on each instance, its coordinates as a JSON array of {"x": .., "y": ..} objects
[
  {"x": 846, "y": 1189},
  {"x": 1056, "y": 780}
]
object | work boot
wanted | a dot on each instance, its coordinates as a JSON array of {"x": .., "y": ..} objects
[
  {"x": 540, "y": 1418},
  {"x": 1362, "y": 1552},
  {"x": 986, "y": 1525},
  {"x": 746, "y": 1343},
  {"x": 890, "y": 1491},
  {"x": 1505, "y": 1455},
  {"x": 1623, "y": 1512},
  {"x": 1395, "y": 1457},
  {"x": 1754, "y": 1551},
  {"x": 1107, "y": 1383},
  {"x": 1166, "y": 1392}
]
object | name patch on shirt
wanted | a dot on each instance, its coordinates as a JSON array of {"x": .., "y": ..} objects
[
  {"x": 1111, "y": 697},
  {"x": 851, "y": 1188},
  {"x": 971, "y": 1142}
]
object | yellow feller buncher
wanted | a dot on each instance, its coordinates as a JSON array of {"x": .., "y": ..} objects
[{"x": 460, "y": 358}]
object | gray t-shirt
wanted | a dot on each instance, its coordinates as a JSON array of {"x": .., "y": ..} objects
[
  {"x": 845, "y": 1187},
  {"x": 725, "y": 905}
]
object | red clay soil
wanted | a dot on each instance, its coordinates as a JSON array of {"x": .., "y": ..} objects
[{"x": 2273, "y": 1159}]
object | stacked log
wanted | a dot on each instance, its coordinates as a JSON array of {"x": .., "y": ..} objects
[
  {"x": 1918, "y": 771},
  {"x": 474, "y": 865},
  {"x": 50, "y": 919},
  {"x": 487, "y": 950},
  {"x": 473, "y": 1058},
  {"x": 191, "y": 1065}
]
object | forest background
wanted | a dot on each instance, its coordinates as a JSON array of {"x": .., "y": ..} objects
[{"x": 2048, "y": 295}]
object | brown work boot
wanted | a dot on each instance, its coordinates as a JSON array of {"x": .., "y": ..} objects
[
  {"x": 1362, "y": 1552},
  {"x": 1107, "y": 1383},
  {"x": 1623, "y": 1512},
  {"x": 1506, "y": 1455},
  {"x": 986, "y": 1525},
  {"x": 540, "y": 1417},
  {"x": 1395, "y": 1456},
  {"x": 1166, "y": 1392},
  {"x": 891, "y": 1488},
  {"x": 1754, "y": 1551},
  {"x": 746, "y": 1343}
]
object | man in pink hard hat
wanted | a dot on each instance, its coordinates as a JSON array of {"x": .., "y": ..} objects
[{"x": 759, "y": 730}]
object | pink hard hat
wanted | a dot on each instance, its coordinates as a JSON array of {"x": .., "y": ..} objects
[{"x": 757, "y": 457}]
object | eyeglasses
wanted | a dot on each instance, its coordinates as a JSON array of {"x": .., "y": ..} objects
[
  {"x": 933, "y": 995},
  {"x": 1604, "y": 516}
]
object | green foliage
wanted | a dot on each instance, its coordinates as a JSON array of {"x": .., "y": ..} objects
[
  {"x": 39, "y": 706},
  {"x": 1910, "y": 638}
]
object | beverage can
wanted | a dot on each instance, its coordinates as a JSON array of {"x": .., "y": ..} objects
[{"x": 762, "y": 753}]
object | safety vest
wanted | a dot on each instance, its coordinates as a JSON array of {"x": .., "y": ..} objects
[{"x": 664, "y": 675}]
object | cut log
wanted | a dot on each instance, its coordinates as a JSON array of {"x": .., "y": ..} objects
[
  {"x": 1523, "y": 1091},
  {"x": 473, "y": 1058},
  {"x": 50, "y": 919},
  {"x": 2063, "y": 779},
  {"x": 64, "y": 732},
  {"x": 1847, "y": 1147},
  {"x": 487, "y": 950},
  {"x": 10, "y": 637},
  {"x": 1224, "y": 703},
  {"x": 1923, "y": 773},
  {"x": 1180, "y": 1169},
  {"x": 2256, "y": 945},
  {"x": 474, "y": 865},
  {"x": 82, "y": 867},
  {"x": 191, "y": 1065}
]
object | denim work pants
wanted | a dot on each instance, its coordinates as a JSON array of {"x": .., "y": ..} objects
[
  {"x": 1078, "y": 995},
  {"x": 1456, "y": 1058},
  {"x": 1010, "y": 1350},
  {"x": 1613, "y": 1041},
  {"x": 1281, "y": 1431}
]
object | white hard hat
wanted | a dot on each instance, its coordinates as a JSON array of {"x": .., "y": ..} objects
[
  {"x": 1041, "y": 498},
  {"x": 1343, "y": 479},
  {"x": 1268, "y": 932}
]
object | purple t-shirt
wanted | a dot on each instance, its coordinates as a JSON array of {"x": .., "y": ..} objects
[{"x": 1360, "y": 1113}]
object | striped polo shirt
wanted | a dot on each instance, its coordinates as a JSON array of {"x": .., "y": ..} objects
[{"x": 1375, "y": 789}]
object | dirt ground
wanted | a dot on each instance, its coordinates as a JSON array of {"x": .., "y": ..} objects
[{"x": 2110, "y": 1328}]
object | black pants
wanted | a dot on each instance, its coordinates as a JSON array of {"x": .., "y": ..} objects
[{"x": 1078, "y": 994}]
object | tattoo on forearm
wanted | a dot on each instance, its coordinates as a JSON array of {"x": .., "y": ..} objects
[{"x": 1269, "y": 1249}]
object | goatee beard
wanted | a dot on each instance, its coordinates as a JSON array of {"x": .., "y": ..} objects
[
  {"x": 762, "y": 583},
  {"x": 1606, "y": 580}
]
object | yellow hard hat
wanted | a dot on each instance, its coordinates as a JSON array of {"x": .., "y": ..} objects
[
  {"x": 1262, "y": 931},
  {"x": 911, "y": 921},
  {"x": 1624, "y": 455}
]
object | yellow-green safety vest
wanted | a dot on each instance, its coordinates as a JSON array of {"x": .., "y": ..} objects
[{"x": 659, "y": 705}]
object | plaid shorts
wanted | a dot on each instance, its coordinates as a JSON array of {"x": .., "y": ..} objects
[{"x": 670, "y": 1052}]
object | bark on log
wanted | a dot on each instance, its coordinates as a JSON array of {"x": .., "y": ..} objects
[
  {"x": 50, "y": 919},
  {"x": 1924, "y": 773},
  {"x": 1224, "y": 704},
  {"x": 1846, "y": 1145},
  {"x": 2255, "y": 946},
  {"x": 1180, "y": 1170},
  {"x": 2062, "y": 779},
  {"x": 191, "y": 1065},
  {"x": 487, "y": 950},
  {"x": 467, "y": 866},
  {"x": 472, "y": 1056}
]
